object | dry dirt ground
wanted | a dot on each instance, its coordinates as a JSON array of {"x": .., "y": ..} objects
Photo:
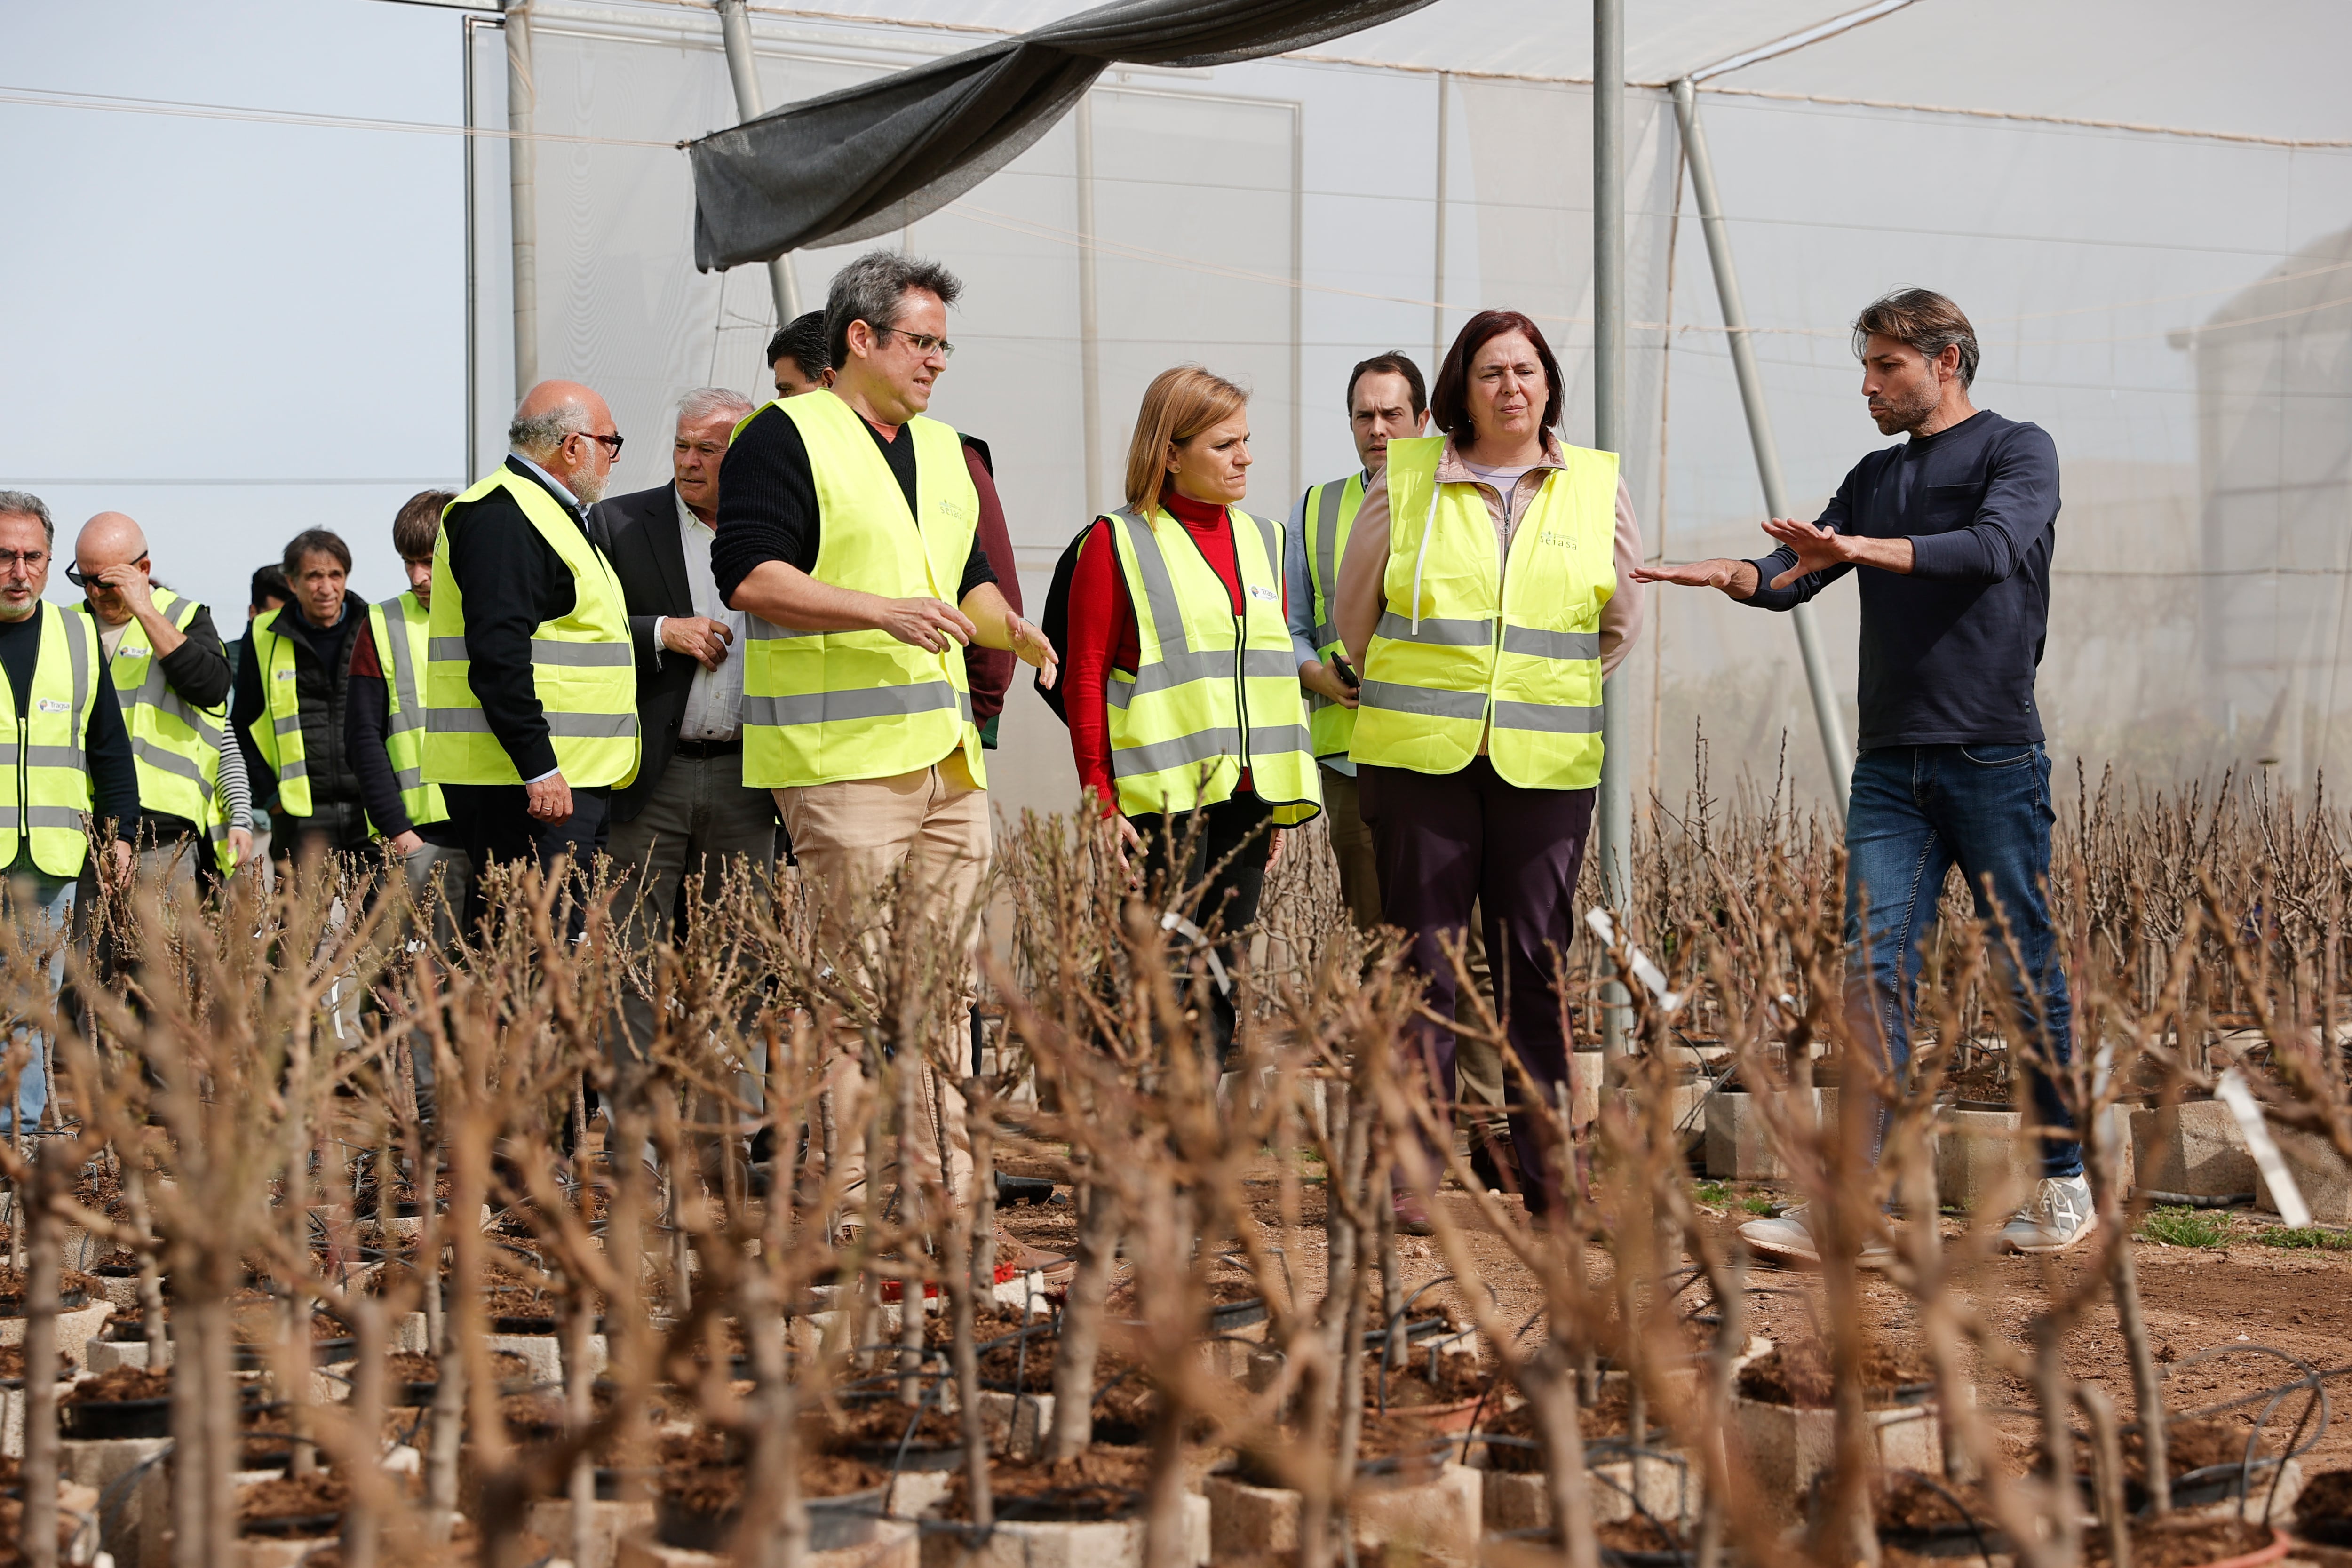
[{"x": 2229, "y": 1298}]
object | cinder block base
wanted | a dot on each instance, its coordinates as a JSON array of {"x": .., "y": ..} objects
[
  {"x": 12, "y": 1419},
  {"x": 270, "y": 1552},
  {"x": 1523, "y": 1502},
  {"x": 2193, "y": 1148},
  {"x": 1016, "y": 1544},
  {"x": 1441, "y": 1517},
  {"x": 1015, "y": 1424},
  {"x": 1981, "y": 1159},
  {"x": 543, "y": 1354},
  {"x": 549, "y": 1519},
  {"x": 1741, "y": 1147},
  {"x": 895, "y": 1545},
  {"x": 2320, "y": 1174},
  {"x": 1788, "y": 1448},
  {"x": 135, "y": 1531},
  {"x": 75, "y": 1331}
]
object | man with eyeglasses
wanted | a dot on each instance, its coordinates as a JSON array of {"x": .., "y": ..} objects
[
  {"x": 65, "y": 759},
  {"x": 172, "y": 678},
  {"x": 530, "y": 689},
  {"x": 848, "y": 531}
]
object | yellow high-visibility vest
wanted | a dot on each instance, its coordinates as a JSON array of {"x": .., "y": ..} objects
[
  {"x": 278, "y": 732},
  {"x": 176, "y": 744},
  {"x": 1212, "y": 692},
  {"x": 400, "y": 629},
  {"x": 1330, "y": 517},
  {"x": 821, "y": 707},
  {"x": 1466, "y": 651},
  {"x": 582, "y": 666},
  {"x": 44, "y": 751}
]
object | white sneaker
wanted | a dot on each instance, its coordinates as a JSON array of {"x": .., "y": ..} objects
[
  {"x": 1788, "y": 1239},
  {"x": 2060, "y": 1214}
]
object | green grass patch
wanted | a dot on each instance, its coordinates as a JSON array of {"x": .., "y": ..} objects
[
  {"x": 1756, "y": 1205},
  {"x": 2306, "y": 1238},
  {"x": 2185, "y": 1226},
  {"x": 1714, "y": 1194}
]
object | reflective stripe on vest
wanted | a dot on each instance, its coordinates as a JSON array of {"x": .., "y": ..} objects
[
  {"x": 398, "y": 626},
  {"x": 278, "y": 732},
  {"x": 1460, "y": 659},
  {"x": 1330, "y": 514},
  {"x": 175, "y": 745},
  {"x": 822, "y": 707},
  {"x": 1211, "y": 692},
  {"x": 581, "y": 664},
  {"x": 47, "y": 792}
]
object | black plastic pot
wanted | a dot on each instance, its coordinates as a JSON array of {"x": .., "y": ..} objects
[
  {"x": 846, "y": 1520},
  {"x": 67, "y": 1301},
  {"x": 258, "y": 1358},
  {"x": 913, "y": 1460},
  {"x": 294, "y": 1526},
  {"x": 97, "y": 1421},
  {"x": 689, "y": 1529},
  {"x": 1232, "y": 1315}
]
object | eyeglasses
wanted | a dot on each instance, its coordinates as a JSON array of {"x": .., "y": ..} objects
[
  {"x": 612, "y": 444},
  {"x": 925, "y": 345},
  {"x": 73, "y": 573},
  {"x": 30, "y": 560}
]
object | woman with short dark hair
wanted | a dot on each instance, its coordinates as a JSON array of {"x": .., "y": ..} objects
[{"x": 1485, "y": 592}]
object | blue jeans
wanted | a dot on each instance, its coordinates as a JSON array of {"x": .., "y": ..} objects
[
  {"x": 43, "y": 906},
  {"x": 1915, "y": 811}
]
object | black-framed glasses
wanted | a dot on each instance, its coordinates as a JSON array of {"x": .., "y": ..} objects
[
  {"x": 73, "y": 575},
  {"x": 612, "y": 444},
  {"x": 924, "y": 343},
  {"x": 31, "y": 560}
]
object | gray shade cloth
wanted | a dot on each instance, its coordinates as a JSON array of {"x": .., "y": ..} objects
[{"x": 873, "y": 158}]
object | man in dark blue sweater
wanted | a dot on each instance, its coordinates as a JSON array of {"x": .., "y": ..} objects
[{"x": 1950, "y": 536}]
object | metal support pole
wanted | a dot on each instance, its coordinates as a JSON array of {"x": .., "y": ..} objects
[
  {"x": 743, "y": 71},
  {"x": 522, "y": 173},
  {"x": 1089, "y": 324},
  {"x": 1614, "y": 809},
  {"x": 1835, "y": 753},
  {"x": 473, "y": 261}
]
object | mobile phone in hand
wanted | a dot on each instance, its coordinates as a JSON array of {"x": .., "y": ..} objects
[{"x": 1347, "y": 671}]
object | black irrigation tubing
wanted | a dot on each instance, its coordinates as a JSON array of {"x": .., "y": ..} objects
[{"x": 117, "y": 1490}]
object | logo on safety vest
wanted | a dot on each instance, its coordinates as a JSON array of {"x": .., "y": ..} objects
[
  {"x": 1260, "y": 591},
  {"x": 1553, "y": 536},
  {"x": 284, "y": 674},
  {"x": 50, "y": 705}
]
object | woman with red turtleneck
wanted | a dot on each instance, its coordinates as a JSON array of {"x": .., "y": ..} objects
[{"x": 1190, "y": 707}]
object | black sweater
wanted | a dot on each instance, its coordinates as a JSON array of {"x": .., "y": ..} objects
[
  {"x": 113, "y": 773},
  {"x": 1948, "y": 653},
  {"x": 323, "y": 664},
  {"x": 767, "y": 503},
  {"x": 371, "y": 722}
]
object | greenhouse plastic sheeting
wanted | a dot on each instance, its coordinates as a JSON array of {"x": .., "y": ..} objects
[{"x": 2175, "y": 309}]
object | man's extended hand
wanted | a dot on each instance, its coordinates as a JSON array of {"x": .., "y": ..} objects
[
  {"x": 123, "y": 862},
  {"x": 240, "y": 847},
  {"x": 698, "y": 637},
  {"x": 550, "y": 799},
  {"x": 931, "y": 624},
  {"x": 1817, "y": 549},
  {"x": 1324, "y": 681},
  {"x": 1031, "y": 647},
  {"x": 1737, "y": 578},
  {"x": 405, "y": 844}
]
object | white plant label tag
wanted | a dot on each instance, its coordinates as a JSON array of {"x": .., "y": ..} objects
[{"x": 2239, "y": 1096}]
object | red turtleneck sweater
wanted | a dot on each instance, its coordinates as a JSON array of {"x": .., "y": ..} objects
[{"x": 1102, "y": 635}]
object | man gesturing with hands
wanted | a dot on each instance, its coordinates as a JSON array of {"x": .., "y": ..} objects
[
  {"x": 847, "y": 526},
  {"x": 1950, "y": 536}
]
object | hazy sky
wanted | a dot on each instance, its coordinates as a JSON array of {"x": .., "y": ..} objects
[{"x": 233, "y": 330}]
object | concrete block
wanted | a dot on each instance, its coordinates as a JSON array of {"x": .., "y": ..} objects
[
  {"x": 895, "y": 1545},
  {"x": 75, "y": 1331},
  {"x": 1441, "y": 1517},
  {"x": 2319, "y": 1173},
  {"x": 274, "y": 1552},
  {"x": 543, "y": 1354},
  {"x": 549, "y": 1519},
  {"x": 914, "y": 1493},
  {"x": 105, "y": 1355},
  {"x": 1668, "y": 1492},
  {"x": 1981, "y": 1158},
  {"x": 133, "y": 1530},
  {"x": 1788, "y": 1448},
  {"x": 1117, "y": 1544},
  {"x": 1740, "y": 1146},
  {"x": 1016, "y": 1424},
  {"x": 2194, "y": 1148},
  {"x": 1586, "y": 1069}
]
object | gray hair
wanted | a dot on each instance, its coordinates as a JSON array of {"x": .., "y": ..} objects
[
  {"x": 538, "y": 436},
  {"x": 25, "y": 503},
  {"x": 872, "y": 288},
  {"x": 705, "y": 401}
]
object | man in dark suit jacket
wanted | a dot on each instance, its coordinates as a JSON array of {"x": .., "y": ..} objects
[{"x": 687, "y": 813}]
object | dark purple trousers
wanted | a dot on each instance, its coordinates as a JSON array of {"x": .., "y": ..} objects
[{"x": 1446, "y": 841}]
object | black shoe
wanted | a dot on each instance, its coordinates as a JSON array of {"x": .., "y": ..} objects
[{"x": 1495, "y": 1163}]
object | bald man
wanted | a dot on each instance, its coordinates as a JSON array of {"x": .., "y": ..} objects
[
  {"x": 172, "y": 677},
  {"x": 531, "y": 682}
]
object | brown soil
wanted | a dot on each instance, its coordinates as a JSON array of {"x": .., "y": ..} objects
[
  {"x": 1459, "y": 1377},
  {"x": 883, "y": 1422},
  {"x": 1100, "y": 1483},
  {"x": 290, "y": 1496},
  {"x": 1608, "y": 1417},
  {"x": 1911, "y": 1502},
  {"x": 713, "y": 1488},
  {"x": 1032, "y": 1361},
  {"x": 11, "y": 1286},
  {"x": 2173, "y": 1544},
  {"x": 123, "y": 1382},
  {"x": 2325, "y": 1496},
  {"x": 1799, "y": 1373}
]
